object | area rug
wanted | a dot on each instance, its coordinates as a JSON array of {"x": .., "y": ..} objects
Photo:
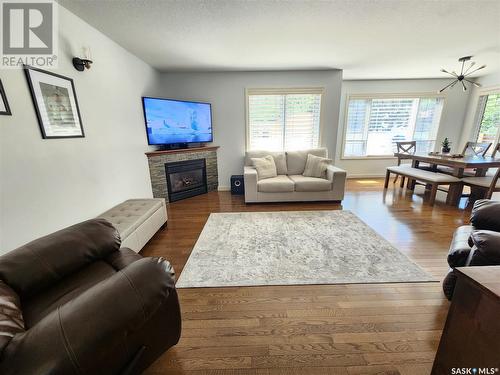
[{"x": 293, "y": 248}]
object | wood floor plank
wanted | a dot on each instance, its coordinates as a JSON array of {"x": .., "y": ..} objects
[
  {"x": 254, "y": 340},
  {"x": 373, "y": 370},
  {"x": 386, "y": 336},
  {"x": 348, "y": 329},
  {"x": 308, "y": 360},
  {"x": 353, "y": 348},
  {"x": 214, "y": 351},
  {"x": 399, "y": 358},
  {"x": 393, "y": 318},
  {"x": 297, "y": 330}
]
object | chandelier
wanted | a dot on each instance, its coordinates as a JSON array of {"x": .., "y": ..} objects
[{"x": 464, "y": 73}]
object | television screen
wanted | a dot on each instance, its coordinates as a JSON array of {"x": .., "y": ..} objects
[{"x": 174, "y": 121}]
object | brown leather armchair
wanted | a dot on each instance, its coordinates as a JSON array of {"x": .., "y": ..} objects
[
  {"x": 477, "y": 244},
  {"x": 73, "y": 302}
]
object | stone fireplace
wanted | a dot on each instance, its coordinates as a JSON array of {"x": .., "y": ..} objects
[{"x": 186, "y": 177}]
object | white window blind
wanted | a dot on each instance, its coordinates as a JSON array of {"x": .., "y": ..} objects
[
  {"x": 487, "y": 118},
  {"x": 283, "y": 119},
  {"x": 374, "y": 125}
]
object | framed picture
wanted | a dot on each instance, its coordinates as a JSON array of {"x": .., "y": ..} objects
[
  {"x": 55, "y": 104},
  {"x": 4, "y": 104}
]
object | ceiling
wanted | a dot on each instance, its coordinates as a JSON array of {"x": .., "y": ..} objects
[{"x": 368, "y": 39}]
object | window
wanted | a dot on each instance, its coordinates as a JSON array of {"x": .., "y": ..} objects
[
  {"x": 375, "y": 124},
  {"x": 487, "y": 119},
  {"x": 283, "y": 119}
]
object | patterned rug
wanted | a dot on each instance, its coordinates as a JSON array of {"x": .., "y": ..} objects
[{"x": 294, "y": 248}]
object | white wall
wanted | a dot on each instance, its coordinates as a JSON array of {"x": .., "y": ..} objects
[
  {"x": 452, "y": 118},
  {"x": 49, "y": 184},
  {"x": 226, "y": 92}
]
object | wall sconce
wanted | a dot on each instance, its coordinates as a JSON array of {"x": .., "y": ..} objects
[{"x": 81, "y": 63}]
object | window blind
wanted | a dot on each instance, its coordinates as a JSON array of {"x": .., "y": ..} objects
[
  {"x": 283, "y": 120},
  {"x": 374, "y": 125},
  {"x": 487, "y": 118}
]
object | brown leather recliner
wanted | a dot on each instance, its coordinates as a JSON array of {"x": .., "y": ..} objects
[
  {"x": 477, "y": 244},
  {"x": 73, "y": 302}
]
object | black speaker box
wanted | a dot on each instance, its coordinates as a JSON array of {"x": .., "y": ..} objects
[{"x": 237, "y": 185}]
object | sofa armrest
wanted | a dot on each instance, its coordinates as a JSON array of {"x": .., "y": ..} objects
[
  {"x": 91, "y": 334},
  {"x": 45, "y": 261},
  {"x": 250, "y": 182},
  {"x": 460, "y": 246},
  {"x": 337, "y": 176},
  {"x": 333, "y": 172}
]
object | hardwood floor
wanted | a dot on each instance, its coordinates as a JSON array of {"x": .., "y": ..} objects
[{"x": 316, "y": 329}]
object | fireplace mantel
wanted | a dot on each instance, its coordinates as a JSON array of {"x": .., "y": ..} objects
[
  {"x": 158, "y": 159},
  {"x": 181, "y": 150}
]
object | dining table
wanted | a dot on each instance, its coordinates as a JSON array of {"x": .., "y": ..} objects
[{"x": 457, "y": 164}]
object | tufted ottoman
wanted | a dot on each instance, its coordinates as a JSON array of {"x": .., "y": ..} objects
[{"x": 137, "y": 220}]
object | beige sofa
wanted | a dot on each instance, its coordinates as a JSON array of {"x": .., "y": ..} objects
[{"x": 291, "y": 185}]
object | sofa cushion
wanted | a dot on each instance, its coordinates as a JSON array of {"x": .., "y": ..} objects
[
  {"x": 304, "y": 183},
  {"x": 278, "y": 184},
  {"x": 266, "y": 168},
  {"x": 280, "y": 162},
  {"x": 296, "y": 160},
  {"x": 11, "y": 317},
  {"x": 279, "y": 159},
  {"x": 127, "y": 216},
  {"x": 122, "y": 258},
  {"x": 486, "y": 215},
  {"x": 316, "y": 166}
]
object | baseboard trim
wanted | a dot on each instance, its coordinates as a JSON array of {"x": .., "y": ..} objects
[
  {"x": 353, "y": 176},
  {"x": 224, "y": 188}
]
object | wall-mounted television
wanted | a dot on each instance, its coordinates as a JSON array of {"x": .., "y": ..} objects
[{"x": 179, "y": 122}]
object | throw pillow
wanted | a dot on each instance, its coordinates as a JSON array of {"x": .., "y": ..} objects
[
  {"x": 266, "y": 168},
  {"x": 316, "y": 166},
  {"x": 296, "y": 160}
]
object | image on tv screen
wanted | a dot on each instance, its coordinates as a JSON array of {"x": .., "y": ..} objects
[{"x": 172, "y": 121}]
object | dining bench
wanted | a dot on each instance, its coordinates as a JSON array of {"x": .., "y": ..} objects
[{"x": 434, "y": 179}]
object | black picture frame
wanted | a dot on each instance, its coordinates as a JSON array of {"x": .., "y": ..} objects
[
  {"x": 48, "y": 130},
  {"x": 5, "y": 102}
]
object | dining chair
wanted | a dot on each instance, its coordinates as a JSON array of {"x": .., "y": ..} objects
[
  {"x": 488, "y": 183},
  {"x": 407, "y": 148},
  {"x": 495, "y": 150},
  {"x": 476, "y": 148},
  {"x": 492, "y": 171}
]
